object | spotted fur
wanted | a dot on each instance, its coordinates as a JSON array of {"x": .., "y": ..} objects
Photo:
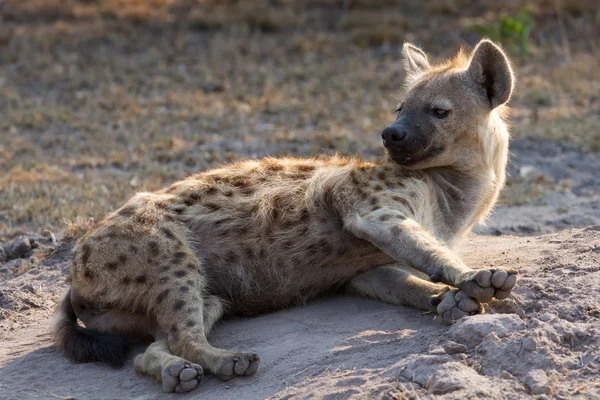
[{"x": 261, "y": 235}]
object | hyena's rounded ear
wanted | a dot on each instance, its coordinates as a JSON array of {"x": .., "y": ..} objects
[
  {"x": 490, "y": 69},
  {"x": 415, "y": 60}
]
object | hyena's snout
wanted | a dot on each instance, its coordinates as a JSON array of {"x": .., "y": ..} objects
[
  {"x": 405, "y": 140},
  {"x": 393, "y": 135}
]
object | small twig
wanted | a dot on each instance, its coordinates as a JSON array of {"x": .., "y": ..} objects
[{"x": 59, "y": 397}]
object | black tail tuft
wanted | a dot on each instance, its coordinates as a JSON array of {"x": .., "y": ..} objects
[{"x": 85, "y": 345}]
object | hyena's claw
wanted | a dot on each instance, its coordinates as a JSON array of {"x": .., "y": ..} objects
[{"x": 489, "y": 283}]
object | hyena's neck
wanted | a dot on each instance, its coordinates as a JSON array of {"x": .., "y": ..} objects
[
  {"x": 462, "y": 195},
  {"x": 466, "y": 193}
]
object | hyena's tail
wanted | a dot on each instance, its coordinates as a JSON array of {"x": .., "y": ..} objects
[{"x": 85, "y": 345}]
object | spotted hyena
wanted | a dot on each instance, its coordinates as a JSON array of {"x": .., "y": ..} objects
[{"x": 261, "y": 235}]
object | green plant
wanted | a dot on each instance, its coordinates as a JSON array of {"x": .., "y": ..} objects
[{"x": 511, "y": 32}]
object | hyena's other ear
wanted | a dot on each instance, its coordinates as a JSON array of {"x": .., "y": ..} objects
[
  {"x": 415, "y": 60},
  {"x": 490, "y": 69}
]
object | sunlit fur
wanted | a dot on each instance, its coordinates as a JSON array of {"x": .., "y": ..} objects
[{"x": 261, "y": 235}]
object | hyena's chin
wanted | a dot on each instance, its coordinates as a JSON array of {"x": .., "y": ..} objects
[{"x": 408, "y": 158}]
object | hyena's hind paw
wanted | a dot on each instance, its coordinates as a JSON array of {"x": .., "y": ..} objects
[
  {"x": 486, "y": 284},
  {"x": 181, "y": 376},
  {"x": 455, "y": 304}
]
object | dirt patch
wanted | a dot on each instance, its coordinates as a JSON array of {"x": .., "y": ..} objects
[{"x": 543, "y": 340}]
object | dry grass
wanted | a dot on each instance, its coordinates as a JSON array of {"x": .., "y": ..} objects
[{"x": 103, "y": 98}]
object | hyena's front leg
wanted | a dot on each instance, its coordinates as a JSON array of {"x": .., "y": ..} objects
[
  {"x": 406, "y": 241},
  {"x": 393, "y": 284}
]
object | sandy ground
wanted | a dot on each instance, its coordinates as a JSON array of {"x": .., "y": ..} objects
[
  {"x": 543, "y": 341},
  {"x": 100, "y": 99}
]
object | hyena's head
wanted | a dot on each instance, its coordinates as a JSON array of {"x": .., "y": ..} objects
[{"x": 447, "y": 110}]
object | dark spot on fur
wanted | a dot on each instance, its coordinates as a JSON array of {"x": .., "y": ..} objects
[
  {"x": 111, "y": 266},
  {"x": 141, "y": 279},
  {"x": 385, "y": 217},
  {"x": 306, "y": 167},
  {"x": 85, "y": 255},
  {"x": 211, "y": 190},
  {"x": 375, "y": 208},
  {"x": 126, "y": 280},
  {"x": 190, "y": 323},
  {"x": 262, "y": 253},
  {"x": 288, "y": 244},
  {"x": 239, "y": 181},
  {"x": 88, "y": 274},
  {"x": 122, "y": 258},
  {"x": 228, "y": 193},
  {"x": 174, "y": 328},
  {"x": 231, "y": 257},
  {"x": 162, "y": 296},
  {"x": 191, "y": 266},
  {"x": 304, "y": 215},
  {"x": 272, "y": 167},
  {"x": 165, "y": 267},
  {"x": 374, "y": 201},
  {"x": 180, "y": 273},
  {"x": 168, "y": 233},
  {"x": 153, "y": 248},
  {"x": 190, "y": 282},
  {"x": 381, "y": 175},
  {"x": 178, "y": 256},
  {"x": 248, "y": 191},
  {"x": 184, "y": 289},
  {"x": 126, "y": 211},
  {"x": 133, "y": 249},
  {"x": 325, "y": 246},
  {"x": 378, "y": 187},
  {"x": 221, "y": 221},
  {"x": 179, "y": 209},
  {"x": 178, "y": 305},
  {"x": 248, "y": 252},
  {"x": 354, "y": 179},
  {"x": 212, "y": 206}
]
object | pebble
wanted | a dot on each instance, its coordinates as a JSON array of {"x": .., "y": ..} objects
[
  {"x": 537, "y": 381},
  {"x": 529, "y": 344},
  {"x": 20, "y": 248},
  {"x": 451, "y": 347}
]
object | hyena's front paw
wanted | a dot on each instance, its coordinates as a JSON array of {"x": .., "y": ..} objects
[
  {"x": 486, "y": 284},
  {"x": 181, "y": 376},
  {"x": 454, "y": 304},
  {"x": 239, "y": 364}
]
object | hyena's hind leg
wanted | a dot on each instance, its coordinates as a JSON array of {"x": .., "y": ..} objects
[
  {"x": 395, "y": 285},
  {"x": 176, "y": 374},
  {"x": 180, "y": 313}
]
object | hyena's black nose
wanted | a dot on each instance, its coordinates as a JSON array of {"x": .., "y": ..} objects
[{"x": 393, "y": 135}]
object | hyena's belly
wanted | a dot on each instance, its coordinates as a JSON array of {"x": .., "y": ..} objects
[{"x": 257, "y": 277}]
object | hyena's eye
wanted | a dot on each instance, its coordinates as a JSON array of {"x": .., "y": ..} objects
[
  {"x": 398, "y": 109},
  {"x": 440, "y": 112}
]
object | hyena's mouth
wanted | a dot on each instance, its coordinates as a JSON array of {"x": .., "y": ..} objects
[{"x": 406, "y": 157}]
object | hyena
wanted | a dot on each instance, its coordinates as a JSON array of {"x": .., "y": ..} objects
[{"x": 261, "y": 235}]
